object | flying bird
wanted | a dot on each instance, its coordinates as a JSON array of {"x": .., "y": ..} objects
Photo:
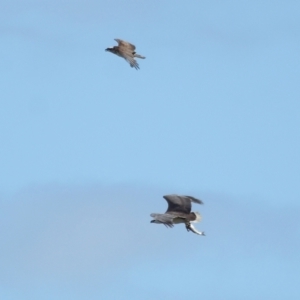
[
  {"x": 179, "y": 211},
  {"x": 127, "y": 51}
]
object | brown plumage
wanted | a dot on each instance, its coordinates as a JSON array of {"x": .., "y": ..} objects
[
  {"x": 179, "y": 211},
  {"x": 127, "y": 51}
]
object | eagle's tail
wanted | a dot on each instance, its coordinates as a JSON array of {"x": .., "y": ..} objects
[{"x": 139, "y": 56}]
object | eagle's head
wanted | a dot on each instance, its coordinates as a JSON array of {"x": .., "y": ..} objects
[{"x": 112, "y": 50}]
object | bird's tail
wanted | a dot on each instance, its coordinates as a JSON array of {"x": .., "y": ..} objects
[{"x": 139, "y": 56}]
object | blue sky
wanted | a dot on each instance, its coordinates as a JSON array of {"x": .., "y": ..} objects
[{"x": 90, "y": 145}]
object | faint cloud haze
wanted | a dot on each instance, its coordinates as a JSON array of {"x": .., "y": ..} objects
[
  {"x": 63, "y": 232},
  {"x": 68, "y": 233}
]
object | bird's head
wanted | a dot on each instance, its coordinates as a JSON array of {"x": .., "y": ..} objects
[{"x": 112, "y": 50}]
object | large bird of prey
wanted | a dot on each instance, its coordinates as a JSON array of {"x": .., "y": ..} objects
[
  {"x": 179, "y": 211},
  {"x": 127, "y": 51}
]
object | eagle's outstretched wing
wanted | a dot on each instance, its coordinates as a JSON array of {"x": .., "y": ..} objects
[
  {"x": 125, "y": 45},
  {"x": 180, "y": 204},
  {"x": 165, "y": 219},
  {"x": 129, "y": 58}
]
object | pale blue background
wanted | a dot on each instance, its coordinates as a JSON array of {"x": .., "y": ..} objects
[{"x": 89, "y": 146}]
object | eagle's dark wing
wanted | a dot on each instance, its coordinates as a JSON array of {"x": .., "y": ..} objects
[
  {"x": 180, "y": 204},
  {"x": 125, "y": 45},
  {"x": 165, "y": 219},
  {"x": 195, "y": 200}
]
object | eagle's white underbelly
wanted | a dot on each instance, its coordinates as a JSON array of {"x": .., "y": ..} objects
[{"x": 178, "y": 221}]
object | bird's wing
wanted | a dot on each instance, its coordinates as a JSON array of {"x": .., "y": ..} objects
[
  {"x": 165, "y": 219},
  {"x": 125, "y": 45},
  {"x": 129, "y": 58},
  {"x": 195, "y": 200},
  {"x": 180, "y": 204}
]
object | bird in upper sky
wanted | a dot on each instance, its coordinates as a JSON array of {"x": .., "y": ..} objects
[
  {"x": 127, "y": 51},
  {"x": 179, "y": 211}
]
